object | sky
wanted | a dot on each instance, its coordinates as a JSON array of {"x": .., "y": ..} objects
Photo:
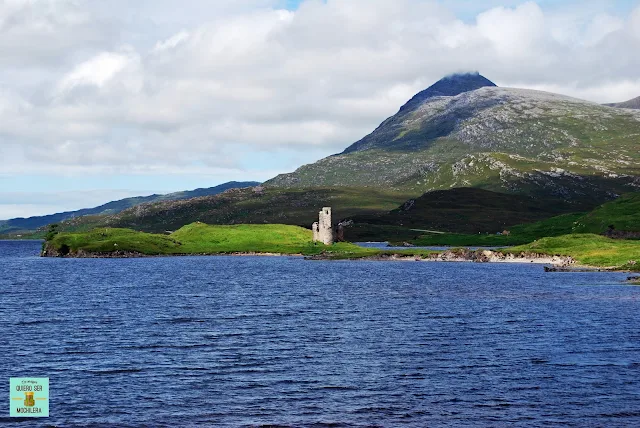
[{"x": 104, "y": 100}]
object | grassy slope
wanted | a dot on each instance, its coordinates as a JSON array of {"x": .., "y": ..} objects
[
  {"x": 467, "y": 210},
  {"x": 623, "y": 213},
  {"x": 522, "y": 234},
  {"x": 518, "y": 144},
  {"x": 588, "y": 249}
]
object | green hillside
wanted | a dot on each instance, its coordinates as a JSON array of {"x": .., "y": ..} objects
[
  {"x": 520, "y": 234},
  {"x": 467, "y": 210},
  {"x": 376, "y": 214},
  {"x": 622, "y": 213}
]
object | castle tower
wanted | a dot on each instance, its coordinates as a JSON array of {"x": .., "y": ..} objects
[{"x": 325, "y": 227}]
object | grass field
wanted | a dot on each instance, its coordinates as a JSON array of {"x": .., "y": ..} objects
[{"x": 589, "y": 249}]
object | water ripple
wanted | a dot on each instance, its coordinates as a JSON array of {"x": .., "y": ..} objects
[{"x": 223, "y": 341}]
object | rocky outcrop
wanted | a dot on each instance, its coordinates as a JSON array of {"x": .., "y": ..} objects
[
  {"x": 65, "y": 252},
  {"x": 487, "y": 256}
]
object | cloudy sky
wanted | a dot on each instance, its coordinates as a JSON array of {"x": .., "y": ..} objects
[{"x": 101, "y": 100}]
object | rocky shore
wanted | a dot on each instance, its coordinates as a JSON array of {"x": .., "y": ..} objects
[
  {"x": 557, "y": 263},
  {"x": 82, "y": 254},
  {"x": 466, "y": 255}
]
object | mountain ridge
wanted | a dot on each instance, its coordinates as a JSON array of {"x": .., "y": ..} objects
[
  {"x": 631, "y": 104},
  {"x": 113, "y": 207}
]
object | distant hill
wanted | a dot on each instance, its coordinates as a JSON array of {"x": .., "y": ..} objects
[
  {"x": 632, "y": 104},
  {"x": 377, "y": 214},
  {"x": 246, "y": 206},
  {"x": 465, "y": 132},
  {"x": 29, "y": 224}
]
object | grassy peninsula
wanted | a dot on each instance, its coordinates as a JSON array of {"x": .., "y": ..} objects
[{"x": 203, "y": 239}]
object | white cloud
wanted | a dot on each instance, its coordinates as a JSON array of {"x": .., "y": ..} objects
[
  {"x": 158, "y": 87},
  {"x": 514, "y": 33},
  {"x": 97, "y": 71}
]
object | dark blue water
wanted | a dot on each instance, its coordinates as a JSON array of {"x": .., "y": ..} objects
[{"x": 252, "y": 341}]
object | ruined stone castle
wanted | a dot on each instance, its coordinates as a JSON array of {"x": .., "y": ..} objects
[{"x": 323, "y": 229}]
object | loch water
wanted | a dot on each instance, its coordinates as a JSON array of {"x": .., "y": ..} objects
[{"x": 252, "y": 341}]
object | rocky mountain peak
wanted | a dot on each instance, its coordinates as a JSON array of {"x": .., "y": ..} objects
[{"x": 449, "y": 86}]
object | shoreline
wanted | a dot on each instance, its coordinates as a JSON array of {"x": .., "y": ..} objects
[
  {"x": 467, "y": 256},
  {"x": 552, "y": 263},
  {"x": 136, "y": 255},
  {"x": 450, "y": 256}
]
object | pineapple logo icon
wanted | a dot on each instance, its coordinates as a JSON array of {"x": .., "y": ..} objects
[{"x": 29, "y": 400}]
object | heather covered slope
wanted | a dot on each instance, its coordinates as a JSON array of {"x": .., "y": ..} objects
[
  {"x": 466, "y": 210},
  {"x": 501, "y": 139},
  {"x": 619, "y": 218},
  {"x": 246, "y": 206}
]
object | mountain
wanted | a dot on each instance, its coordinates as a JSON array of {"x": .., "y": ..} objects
[
  {"x": 501, "y": 139},
  {"x": 632, "y": 104},
  {"x": 386, "y": 136},
  {"x": 114, "y": 207}
]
